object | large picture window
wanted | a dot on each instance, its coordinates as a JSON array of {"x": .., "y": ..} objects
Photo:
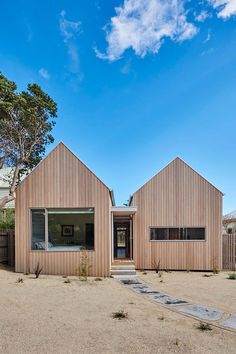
[
  {"x": 177, "y": 233},
  {"x": 62, "y": 229}
]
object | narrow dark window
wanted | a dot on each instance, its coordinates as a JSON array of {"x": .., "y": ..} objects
[{"x": 177, "y": 233}]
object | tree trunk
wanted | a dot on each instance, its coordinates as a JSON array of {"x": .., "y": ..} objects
[{"x": 5, "y": 200}]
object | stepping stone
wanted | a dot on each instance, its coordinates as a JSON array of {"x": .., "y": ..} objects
[
  {"x": 130, "y": 281},
  {"x": 202, "y": 312},
  {"x": 144, "y": 289},
  {"x": 230, "y": 322},
  {"x": 168, "y": 300}
]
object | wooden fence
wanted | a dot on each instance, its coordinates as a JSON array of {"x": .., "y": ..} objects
[
  {"x": 229, "y": 251},
  {"x": 7, "y": 247}
]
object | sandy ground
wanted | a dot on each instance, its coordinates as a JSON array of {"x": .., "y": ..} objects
[
  {"x": 46, "y": 315},
  {"x": 216, "y": 291}
]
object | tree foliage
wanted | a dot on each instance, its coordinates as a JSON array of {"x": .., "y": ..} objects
[{"x": 26, "y": 122}]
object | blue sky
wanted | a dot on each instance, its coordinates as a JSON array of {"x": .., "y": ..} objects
[{"x": 137, "y": 82}]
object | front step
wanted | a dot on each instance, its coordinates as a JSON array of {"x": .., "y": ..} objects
[{"x": 123, "y": 268}]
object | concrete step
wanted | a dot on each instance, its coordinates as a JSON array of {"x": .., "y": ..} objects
[
  {"x": 123, "y": 267},
  {"x": 121, "y": 271}
]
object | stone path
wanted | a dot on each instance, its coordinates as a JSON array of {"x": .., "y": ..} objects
[{"x": 197, "y": 311}]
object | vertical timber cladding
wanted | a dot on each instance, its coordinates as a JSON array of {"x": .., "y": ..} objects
[
  {"x": 61, "y": 180},
  {"x": 178, "y": 196}
]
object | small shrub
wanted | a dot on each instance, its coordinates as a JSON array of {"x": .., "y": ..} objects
[
  {"x": 232, "y": 276},
  {"x": 20, "y": 280},
  {"x": 65, "y": 276},
  {"x": 120, "y": 315},
  {"x": 67, "y": 281},
  {"x": 207, "y": 275},
  {"x": 188, "y": 270},
  {"x": 131, "y": 303},
  {"x": 84, "y": 266},
  {"x": 161, "y": 318},
  {"x": 98, "y": 279},
  {"x": 160, "y": 274},
  {"x": 215, "y": 270},
  {"x": 144, "y": 273},
  {"x": 37, "y": 271},
  {"x": 202, "y": 326},
  {"x": 26, "y": 273}
]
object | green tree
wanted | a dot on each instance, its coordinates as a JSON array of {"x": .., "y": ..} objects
[{"x": 26, "y": 122}]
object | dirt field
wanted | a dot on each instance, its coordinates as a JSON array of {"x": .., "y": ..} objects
[
  {"x": 216, "y": 291},
  {"x": 46, "y": 315}
]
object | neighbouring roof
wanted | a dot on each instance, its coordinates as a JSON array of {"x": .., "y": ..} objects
[
  {"x": 230, "y": 216},
  {"x": 4, "y": 177}
]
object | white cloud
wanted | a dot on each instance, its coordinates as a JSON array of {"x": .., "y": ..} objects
[
  {"x": 143, "y": 25},
  {"x": 202, "y": 16},
  {"x": 44, "y": 73},
  {"x": 226, "y": 8}
]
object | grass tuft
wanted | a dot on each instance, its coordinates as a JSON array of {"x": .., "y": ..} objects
[{"x": 98, "y": 279}]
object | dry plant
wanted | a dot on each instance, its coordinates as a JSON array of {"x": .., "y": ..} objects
[
  {"x": 20, "y": 280},
  {"x": 120, "y": 315},
  {"x": 84, "y": 266},
  {"x": 177, "y": 342},
  {"x": 156, "y": 266},
  {"x": 161, "y": 318},
  {"x": 203, "y": 326},
  {"x": 215, "y": 269},
  {"x": 67, "y": 281},
  {"x": 98, "y": 279},
  {"x": 207, "y": 275},
  {"x": 38, "y": 270}
]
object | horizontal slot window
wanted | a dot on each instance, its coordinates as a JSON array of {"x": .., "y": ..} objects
[{"x": 177, "y": 233}]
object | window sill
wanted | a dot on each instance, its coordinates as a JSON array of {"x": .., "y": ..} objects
[{"x": 177, "y": 240}]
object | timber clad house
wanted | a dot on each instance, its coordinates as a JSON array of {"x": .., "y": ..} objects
[{"x": 63, "y": 208}]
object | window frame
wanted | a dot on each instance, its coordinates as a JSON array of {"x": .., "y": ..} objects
[
  {"x": 46, "y": 230},
  {"x": 178, "y": 227}
]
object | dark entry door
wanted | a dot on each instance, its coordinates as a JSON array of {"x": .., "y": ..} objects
[{"x": 122, "y": 240}]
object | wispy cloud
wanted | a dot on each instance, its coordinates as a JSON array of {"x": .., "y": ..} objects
[
  {"x": 208, "y": 37},
  {"x": 70, "y": 31},
  {"x": 143, "y": 26},
  {"x": 44, "y": 73},
  {"x": 207, "y": 52}
]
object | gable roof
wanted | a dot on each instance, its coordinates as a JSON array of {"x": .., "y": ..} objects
[
  {"x": 71, "y": 152},
  {"x": 169, "y": 164},
  {"x": 4, "y": 177}
]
